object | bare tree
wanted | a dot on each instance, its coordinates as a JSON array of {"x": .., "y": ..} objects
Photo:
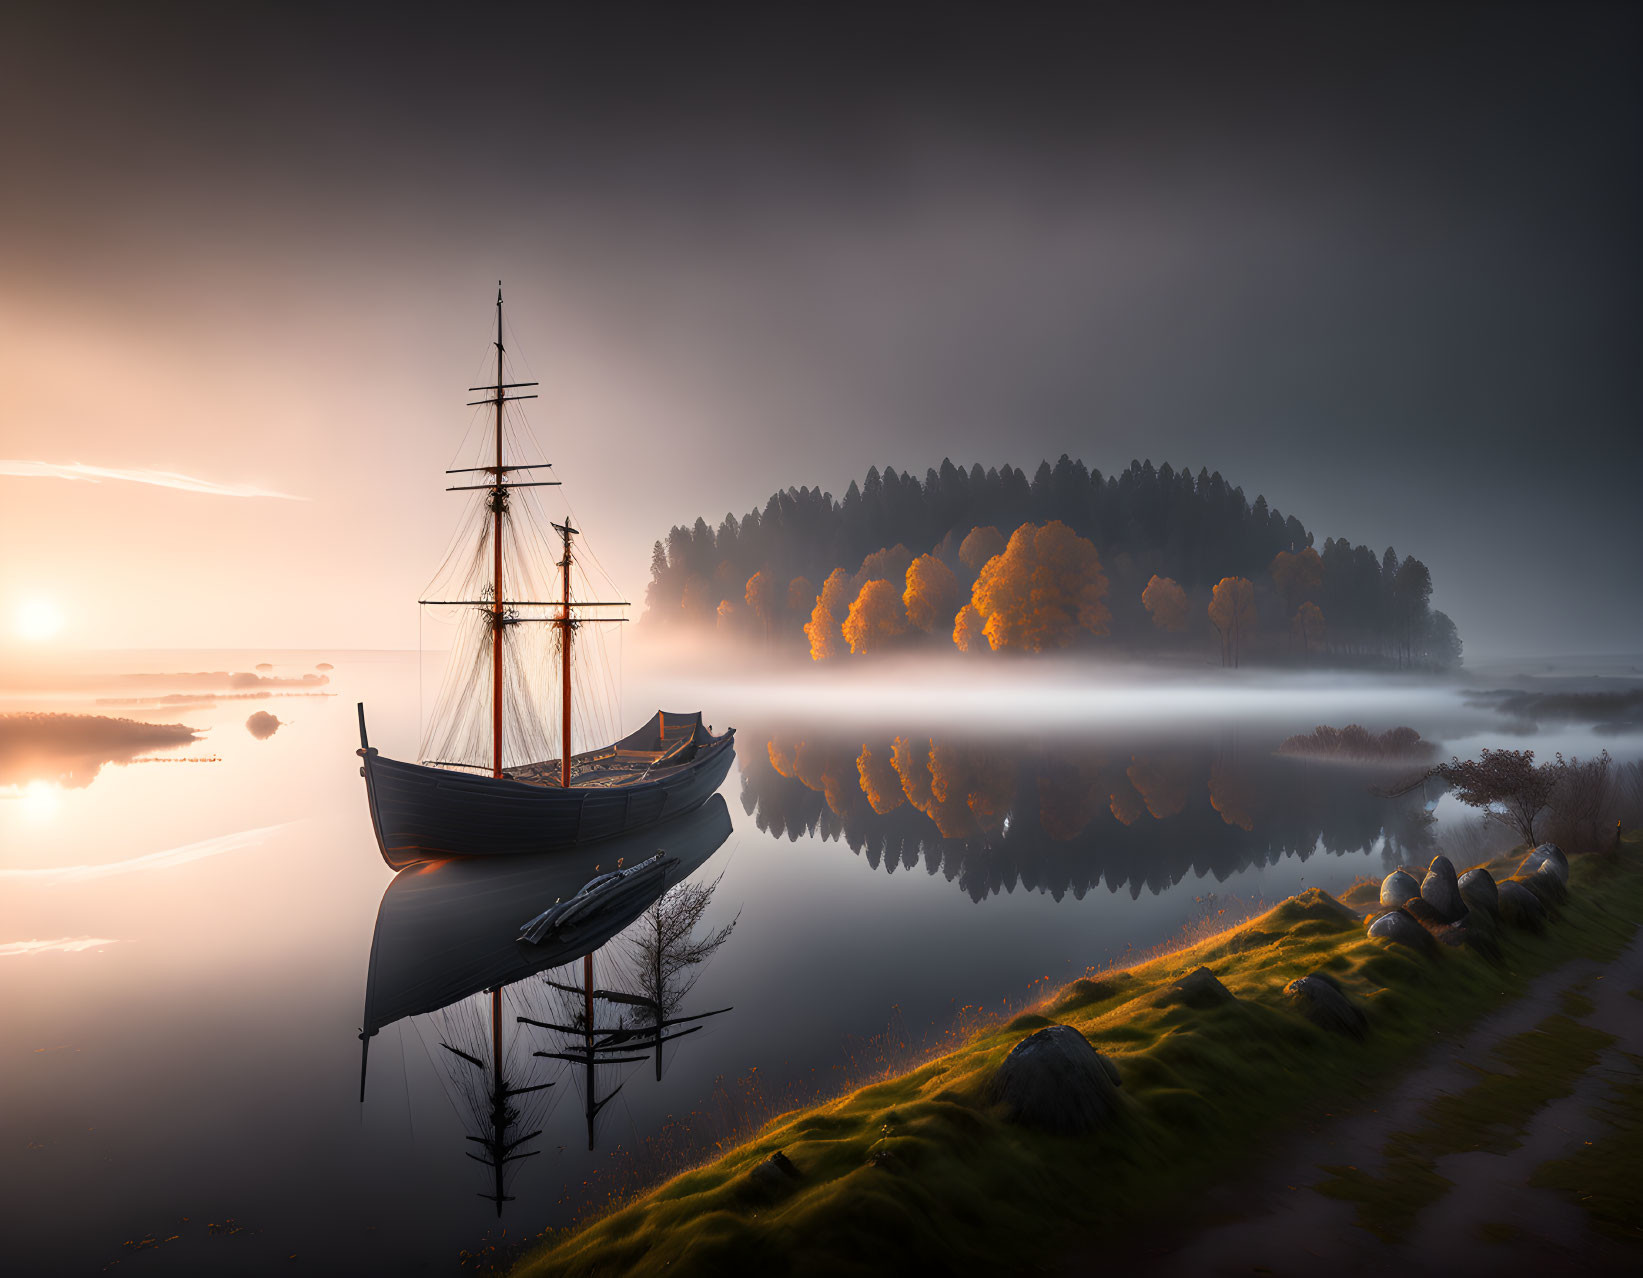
[{"x": 1582, "y": 802}]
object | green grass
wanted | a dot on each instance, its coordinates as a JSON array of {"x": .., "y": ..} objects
[
  {"x": 1603, "y": 1176},
  {"x": 1490, "y": 1116},
  {"x": 960, "y": 1189}
]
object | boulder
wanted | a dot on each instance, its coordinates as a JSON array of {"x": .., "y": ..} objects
[
  {"x": 1545, "y": 884},
  {"x": 1520, "y": 907},
  {"x": 1547, "y": 854},
  {"x": 1055, "y": 1081},
  {"x": 1477, "y": 889},
  {"x": 1480, "y": 931},
  {"x": 1399, "y": 928},
  {"x": 1397, "y": 887},
  {"x": 1427, "y": 916},
  {"x": 775, "y": 1174},
  {"x": 1440, "y": 890},
  {"x": 1319, "y": 998},
  {"x": 1199, "y": 989}
]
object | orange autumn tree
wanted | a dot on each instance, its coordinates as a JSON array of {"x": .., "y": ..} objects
[
  {"x": 823, "y": 627},
  {"x": 967, "y": 632},
  {"x": 1166, "y": 603},
  {"x": 1232, "y": 613},
  {"x": 761, "y": 598},
  {"x": 1044, "y": 588},
  {"x": 1297, "y": 575},
  {"x": 801, "y": 593},
  {"x": 931, "y": 594},
  {"x": 697, "y": 600},
  {"x": 1162, "y": 781},
  {"x": 980, "y": 546},
  {"x": 888, "y": 564},
  {"x": 1070, "y": 794},
  {"x": 1308, "y": 626},
  {"x": 879, "y": 781},
  {"x": 1125, "y": 804},
  {"x": 876, "y": 618}
]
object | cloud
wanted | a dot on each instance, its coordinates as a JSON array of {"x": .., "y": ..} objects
[
  {"x": 70, "y": 944},
  {"x": 51, "y": 875},
  {"x": 158, "y": 478}
]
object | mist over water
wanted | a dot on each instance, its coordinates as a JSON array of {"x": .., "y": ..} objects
[{"x": 910, "y": 848}]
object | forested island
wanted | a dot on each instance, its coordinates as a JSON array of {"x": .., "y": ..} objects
[{"x": 1150, "y": 560}]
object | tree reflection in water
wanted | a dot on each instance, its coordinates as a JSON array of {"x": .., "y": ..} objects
[{"x": 1062, "y": 817}]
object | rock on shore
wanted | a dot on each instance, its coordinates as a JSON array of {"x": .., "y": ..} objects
[{"x": 1055, "y": 1081}]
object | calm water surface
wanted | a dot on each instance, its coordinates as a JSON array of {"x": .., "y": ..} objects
[{"x": 186, "y": 950}]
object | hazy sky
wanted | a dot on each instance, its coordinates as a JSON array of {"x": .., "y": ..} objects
[{"x": 1380, "y": 263}]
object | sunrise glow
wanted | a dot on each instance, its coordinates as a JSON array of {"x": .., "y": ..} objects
[{"x": 36, "y": 620}]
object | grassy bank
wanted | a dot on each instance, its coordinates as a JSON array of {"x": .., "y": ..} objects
[{"x": 921, "y": 1172}]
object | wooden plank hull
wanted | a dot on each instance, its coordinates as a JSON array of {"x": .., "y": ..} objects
[{"x": 421, "y": 813}]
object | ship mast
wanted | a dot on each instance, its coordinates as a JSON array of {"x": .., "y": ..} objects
[
  {"x": 499, "y": 501},
  {"x": 567, "y": 532},
  {"x": 496, "y": 606}
]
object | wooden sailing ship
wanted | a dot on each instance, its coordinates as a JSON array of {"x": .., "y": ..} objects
[{"x": 485, "y": 787}]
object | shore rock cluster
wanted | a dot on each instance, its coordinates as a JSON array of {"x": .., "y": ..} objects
[
  {"x": 1446, "y": 909},
  {"x": 1056, "y": 1081}
]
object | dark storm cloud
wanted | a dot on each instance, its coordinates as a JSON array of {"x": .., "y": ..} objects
[{"x": 1379, "y": 263}]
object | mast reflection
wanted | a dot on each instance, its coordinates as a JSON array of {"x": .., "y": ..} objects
[{"x": 449, "y": 930}]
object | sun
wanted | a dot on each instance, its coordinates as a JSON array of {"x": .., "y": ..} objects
[{"x": 37, "y": 620}]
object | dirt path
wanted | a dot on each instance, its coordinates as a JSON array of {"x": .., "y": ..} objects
[{"x": 1274, "y": 1220}]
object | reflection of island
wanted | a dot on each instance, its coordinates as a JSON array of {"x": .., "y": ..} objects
[
  {"x": 446, "y": 949},
  {"x": 71, "y": 749},
  {"x": 1062, "y": 818}
]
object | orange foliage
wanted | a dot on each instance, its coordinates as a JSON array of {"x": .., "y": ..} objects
[
  {"x": 697, "y": 599},
  {"x": 816, "y": 767},
  {"x": 970, "y": 791},
  {"x": 1166, "y": 602},
  {"x": 828, "y": 770},
  {"x": 980, "y": 546},
  {"x": 823, "y": 627},
  {"x": 963, "y": 790},
  {"x": 1162, "y": 781},
  {"x": 1069, "y": 795},
  {"x": 1044, "y": 588},
  {"x": 727, "y": 614},
  {"x": 876, "y": 618},
  {"x": 1308, "y": 625},
  {"x": 879, "y": 781},
  {"x": 911, "y": 760},
  {"x": 1232, "y": 613},
  {"x": 801, "y": 594},
  {"x": 1297, "y": 575},
  {"x": 761, "y": 596},
  {"x": 967, "y": 630},
  {"x": 1230, "y": 795},
  {"x": 931, "y": 594},
  {"x": 1126, "y": 804},
  {"x": 781, "y": 759},
  {"x": 884, "y": 565}
]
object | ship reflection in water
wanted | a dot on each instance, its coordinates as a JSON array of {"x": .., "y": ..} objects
[{"x": 513, "y": 1020}]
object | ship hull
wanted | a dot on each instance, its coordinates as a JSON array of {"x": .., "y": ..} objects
[{"x": 422, "y": 813}]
